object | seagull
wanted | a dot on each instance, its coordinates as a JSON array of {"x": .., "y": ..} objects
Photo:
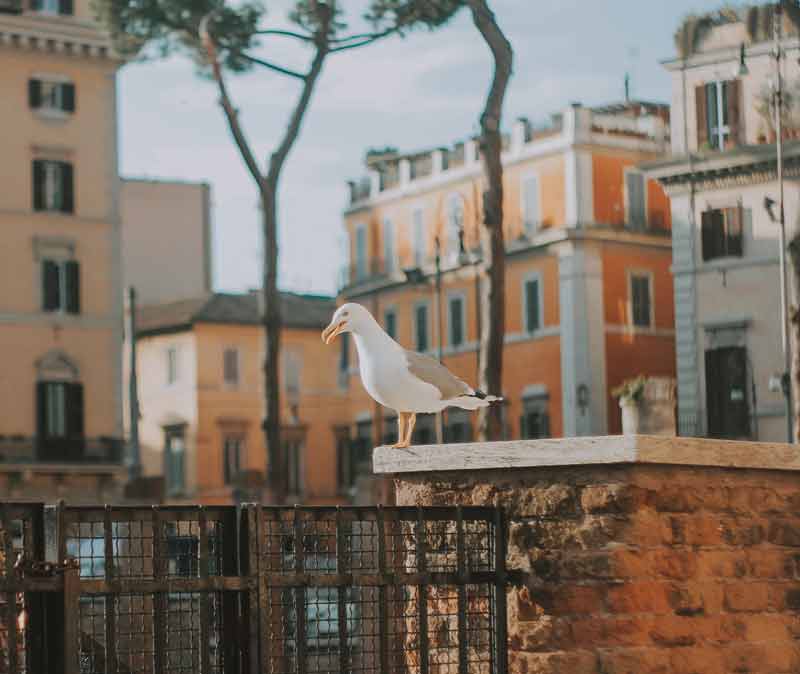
[{"x": 408, "y": 382}]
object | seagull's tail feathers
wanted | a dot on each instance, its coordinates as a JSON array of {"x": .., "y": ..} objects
[{"x": 474, "y": 400}]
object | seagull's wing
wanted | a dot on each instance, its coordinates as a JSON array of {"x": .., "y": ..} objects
[{"x": 431, "y": 371}]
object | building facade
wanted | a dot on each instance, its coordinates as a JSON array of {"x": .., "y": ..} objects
[
  {"x": 200, "y": 370},
  {"x": 60, "y": 282},
  {"x": 725, "y": 239},
  {"x": 176, "y": 215},
  {"x": 588, "y": 285}
]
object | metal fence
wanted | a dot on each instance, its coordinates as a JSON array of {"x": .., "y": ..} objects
[{"x": 152, "y": 590}]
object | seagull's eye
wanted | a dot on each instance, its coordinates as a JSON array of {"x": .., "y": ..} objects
[{"x": 345, "y": 315}]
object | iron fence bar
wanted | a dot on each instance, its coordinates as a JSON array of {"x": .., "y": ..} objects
[
  {"x": 462, "y": 593},
  {"x": 500, "y": 591},
  {"x": 265, "y": 644},
  {"x": 383, "y": 618},
  {"x": 72, "y": 596},
  {"x": 299, "y": 594},
  {"x": 159, "y": 608},
  {"x": 204, "y": 597},
  {"x": 249, "y": 536},
  {"x": 233, "y": 630},
  {"x": 11, "y": 597},
  {"x": 341, "y": 567},
  {"x": 110, "y": 599},
  {"x": 61, "y": 532},
  {"x": 422, "y": 594},
  {"x": 36, "y": 639}
]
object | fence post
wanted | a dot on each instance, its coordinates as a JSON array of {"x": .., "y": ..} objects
[
  {"x": 501, "y": 578},
  {"x": 72, "y": 596}
]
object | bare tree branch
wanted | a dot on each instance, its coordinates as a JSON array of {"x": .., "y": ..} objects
[
  {"x": 286, "y": 33},
  {"x": 363, "y": 38},
  {"x": 230, "y": 112},
  {"x": 272, "y": 66}
]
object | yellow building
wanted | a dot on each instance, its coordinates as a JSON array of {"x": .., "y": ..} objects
[
  {"x": 200, "y": 374},
  {"x": 60, "y": 287}
]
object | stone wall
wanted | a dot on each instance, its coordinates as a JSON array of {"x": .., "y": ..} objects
[{"x": 639, "y": 562}]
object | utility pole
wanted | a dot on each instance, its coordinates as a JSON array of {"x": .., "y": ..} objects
[
  {"x": 438, "y": 307},
  {"x": 778, "y": 105},
  {"x": 134, "y": 461}
]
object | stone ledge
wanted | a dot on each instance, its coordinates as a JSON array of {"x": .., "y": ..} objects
[{"x": 586, "y": 451}]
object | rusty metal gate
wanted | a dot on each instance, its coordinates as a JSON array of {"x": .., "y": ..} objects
[{"x": 252, "y": 590}]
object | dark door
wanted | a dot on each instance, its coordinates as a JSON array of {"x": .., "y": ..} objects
[{"x": 726, "y": 393}]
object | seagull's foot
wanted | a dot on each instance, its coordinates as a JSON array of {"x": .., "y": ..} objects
[{"x": 400, "y": 445}]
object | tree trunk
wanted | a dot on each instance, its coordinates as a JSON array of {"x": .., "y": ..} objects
[
  {"x": 490, "y": 424},
  {"x": 271, "y": 320},
  {"x": 794, "y": 332}
]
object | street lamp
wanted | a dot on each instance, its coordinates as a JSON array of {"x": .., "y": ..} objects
[{"x": 777, "y": 104}]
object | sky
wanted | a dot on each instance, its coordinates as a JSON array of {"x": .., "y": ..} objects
[{"x": 424, "y": 90}]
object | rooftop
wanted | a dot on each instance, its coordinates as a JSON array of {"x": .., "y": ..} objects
[{"x": 298, "y": 311}]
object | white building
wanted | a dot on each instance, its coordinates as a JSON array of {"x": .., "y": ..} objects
[{"x": 725, "y": 244}]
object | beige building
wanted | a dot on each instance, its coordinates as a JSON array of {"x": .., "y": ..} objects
[
  {"x": 200, "y": 369},
  {"x": 177, "y": 215},
  {"x": 725, "y": 244},
  {"x": 60, "y": 272}
]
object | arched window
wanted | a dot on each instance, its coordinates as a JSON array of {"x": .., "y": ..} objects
[{"x": 59, "y": 407}]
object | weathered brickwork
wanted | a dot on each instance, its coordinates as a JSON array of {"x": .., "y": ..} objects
[{"x": 638, "y": 569}]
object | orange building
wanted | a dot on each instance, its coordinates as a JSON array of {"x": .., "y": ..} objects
[
  {"x": 589, "y": 299},
  {"x": 200, "y": 369}
]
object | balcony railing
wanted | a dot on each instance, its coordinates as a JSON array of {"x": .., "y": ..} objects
[
  {"x": 30, "y": 449},
  {"x": 368, "y": 270}
]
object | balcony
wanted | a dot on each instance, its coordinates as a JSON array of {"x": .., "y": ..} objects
[
  {"x": 31, "y": 450},
  {"x": 369, "y": 270}
]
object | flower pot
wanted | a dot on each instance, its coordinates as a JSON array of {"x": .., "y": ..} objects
[{"x": 631, "y": 416}]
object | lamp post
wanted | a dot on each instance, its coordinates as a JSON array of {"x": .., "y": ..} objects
[
  {"x": 437, "y": 300},
  {"x": 778, "y": 105}
]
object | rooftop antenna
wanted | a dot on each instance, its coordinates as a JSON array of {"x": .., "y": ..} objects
[{"x": 627, "y": 88}]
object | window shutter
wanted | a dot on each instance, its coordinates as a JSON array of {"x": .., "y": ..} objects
[
  {"x": 523, "y": 426},
  {"x": 734, "y": 94},
  {"x": 636, "y": 213},
  {"x": 701, "y": 112},
  {"x": 34, "y": 93},
  {"x": 72, "y": 277},
  {"x": 74, "y": 402},
  {"x": 734, "y": 218},
  {"x": 41, "y": 409},
  {"x": 531, "y": 306},
  {"x": 65, "y": 7},
  {"x": 67, "y": 201},
  {"x": 38, "y": 185},
  {"x": 531, "y": 197},
  {"x": 51, "y": 290},
  {"x": 68, "y": 99}
]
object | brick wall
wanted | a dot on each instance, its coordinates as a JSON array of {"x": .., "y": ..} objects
[{"x": 638, "y": 568}]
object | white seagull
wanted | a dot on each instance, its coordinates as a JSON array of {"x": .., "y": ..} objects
[{"x": 408, "y": 382}]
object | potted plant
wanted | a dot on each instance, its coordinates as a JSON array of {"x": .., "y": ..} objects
[{"x": 630, "y": 394}]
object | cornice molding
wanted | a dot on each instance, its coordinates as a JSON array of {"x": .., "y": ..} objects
[{"x": 53, "y": 35}]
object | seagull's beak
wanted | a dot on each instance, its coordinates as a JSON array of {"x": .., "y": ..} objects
[{"x": 334, "y": 329}]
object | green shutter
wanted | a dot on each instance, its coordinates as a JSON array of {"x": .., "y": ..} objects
[
  {"x": 72, "y": 279},
  {"x": 51, "y": 286},
  {"x": 65, "y": 7},
  {"x": 68, "y": 97},
  {"x": 532, "y": 306},
  {"x": 38, "y": 185},
  {"x": 34, "y": 93},
  {"x": 67, "y": 199}
]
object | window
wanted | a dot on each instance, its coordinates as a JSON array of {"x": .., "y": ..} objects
[
  {"x": 182, "y": 552},
  {"x": 635, "y": 199},
  {"x": 458, "y": 428},
  {"x": 388, "y": 246},
  {"x": 455, "y": 224},
  {"x": 52, "y": 6},
  {"x": 344, "y": 471},
  {"x": 722, "y": 232},
  {"x": 47, "y": 95},
  {"x": 455, "y": 314},
  {"x": 52, "y": 186},
  {"x": 232, "y": 450},
  {"x": 717, "y": 111},
  {"x": 344, "y": 359},
  {"x": 726, "y": 392},
  {"x": 530, "y": 205},
  {"x": 532, "y": 297},
  {"x": 640, "y": 299},
  {"x": 175, "y": 459},
  {"x": 421, "y": 327},
  {"x": 361, "y": 252},
  {"x": 292, "y": 365},
  {"x": 61, "y": 286},
  {"x": 172, "y": 364},
  {"x": 390, "y": 322},
  {"x": 293, "y": 451},
  {"x": 418, "y": 222},
  {"x": 535, "y": 421},
  {"x": 59, "y": 420},
  {"x": 230, "y": 366}
]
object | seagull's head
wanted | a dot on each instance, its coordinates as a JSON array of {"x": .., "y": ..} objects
[{"x": 349, "y": 317}]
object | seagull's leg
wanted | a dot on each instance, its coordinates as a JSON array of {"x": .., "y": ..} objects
[
  {"x": 412, "y": 419},
  {"x": 401, "y": 430}
]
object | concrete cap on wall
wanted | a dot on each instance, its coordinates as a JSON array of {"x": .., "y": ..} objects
[{"x": 587, "y": 451}]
